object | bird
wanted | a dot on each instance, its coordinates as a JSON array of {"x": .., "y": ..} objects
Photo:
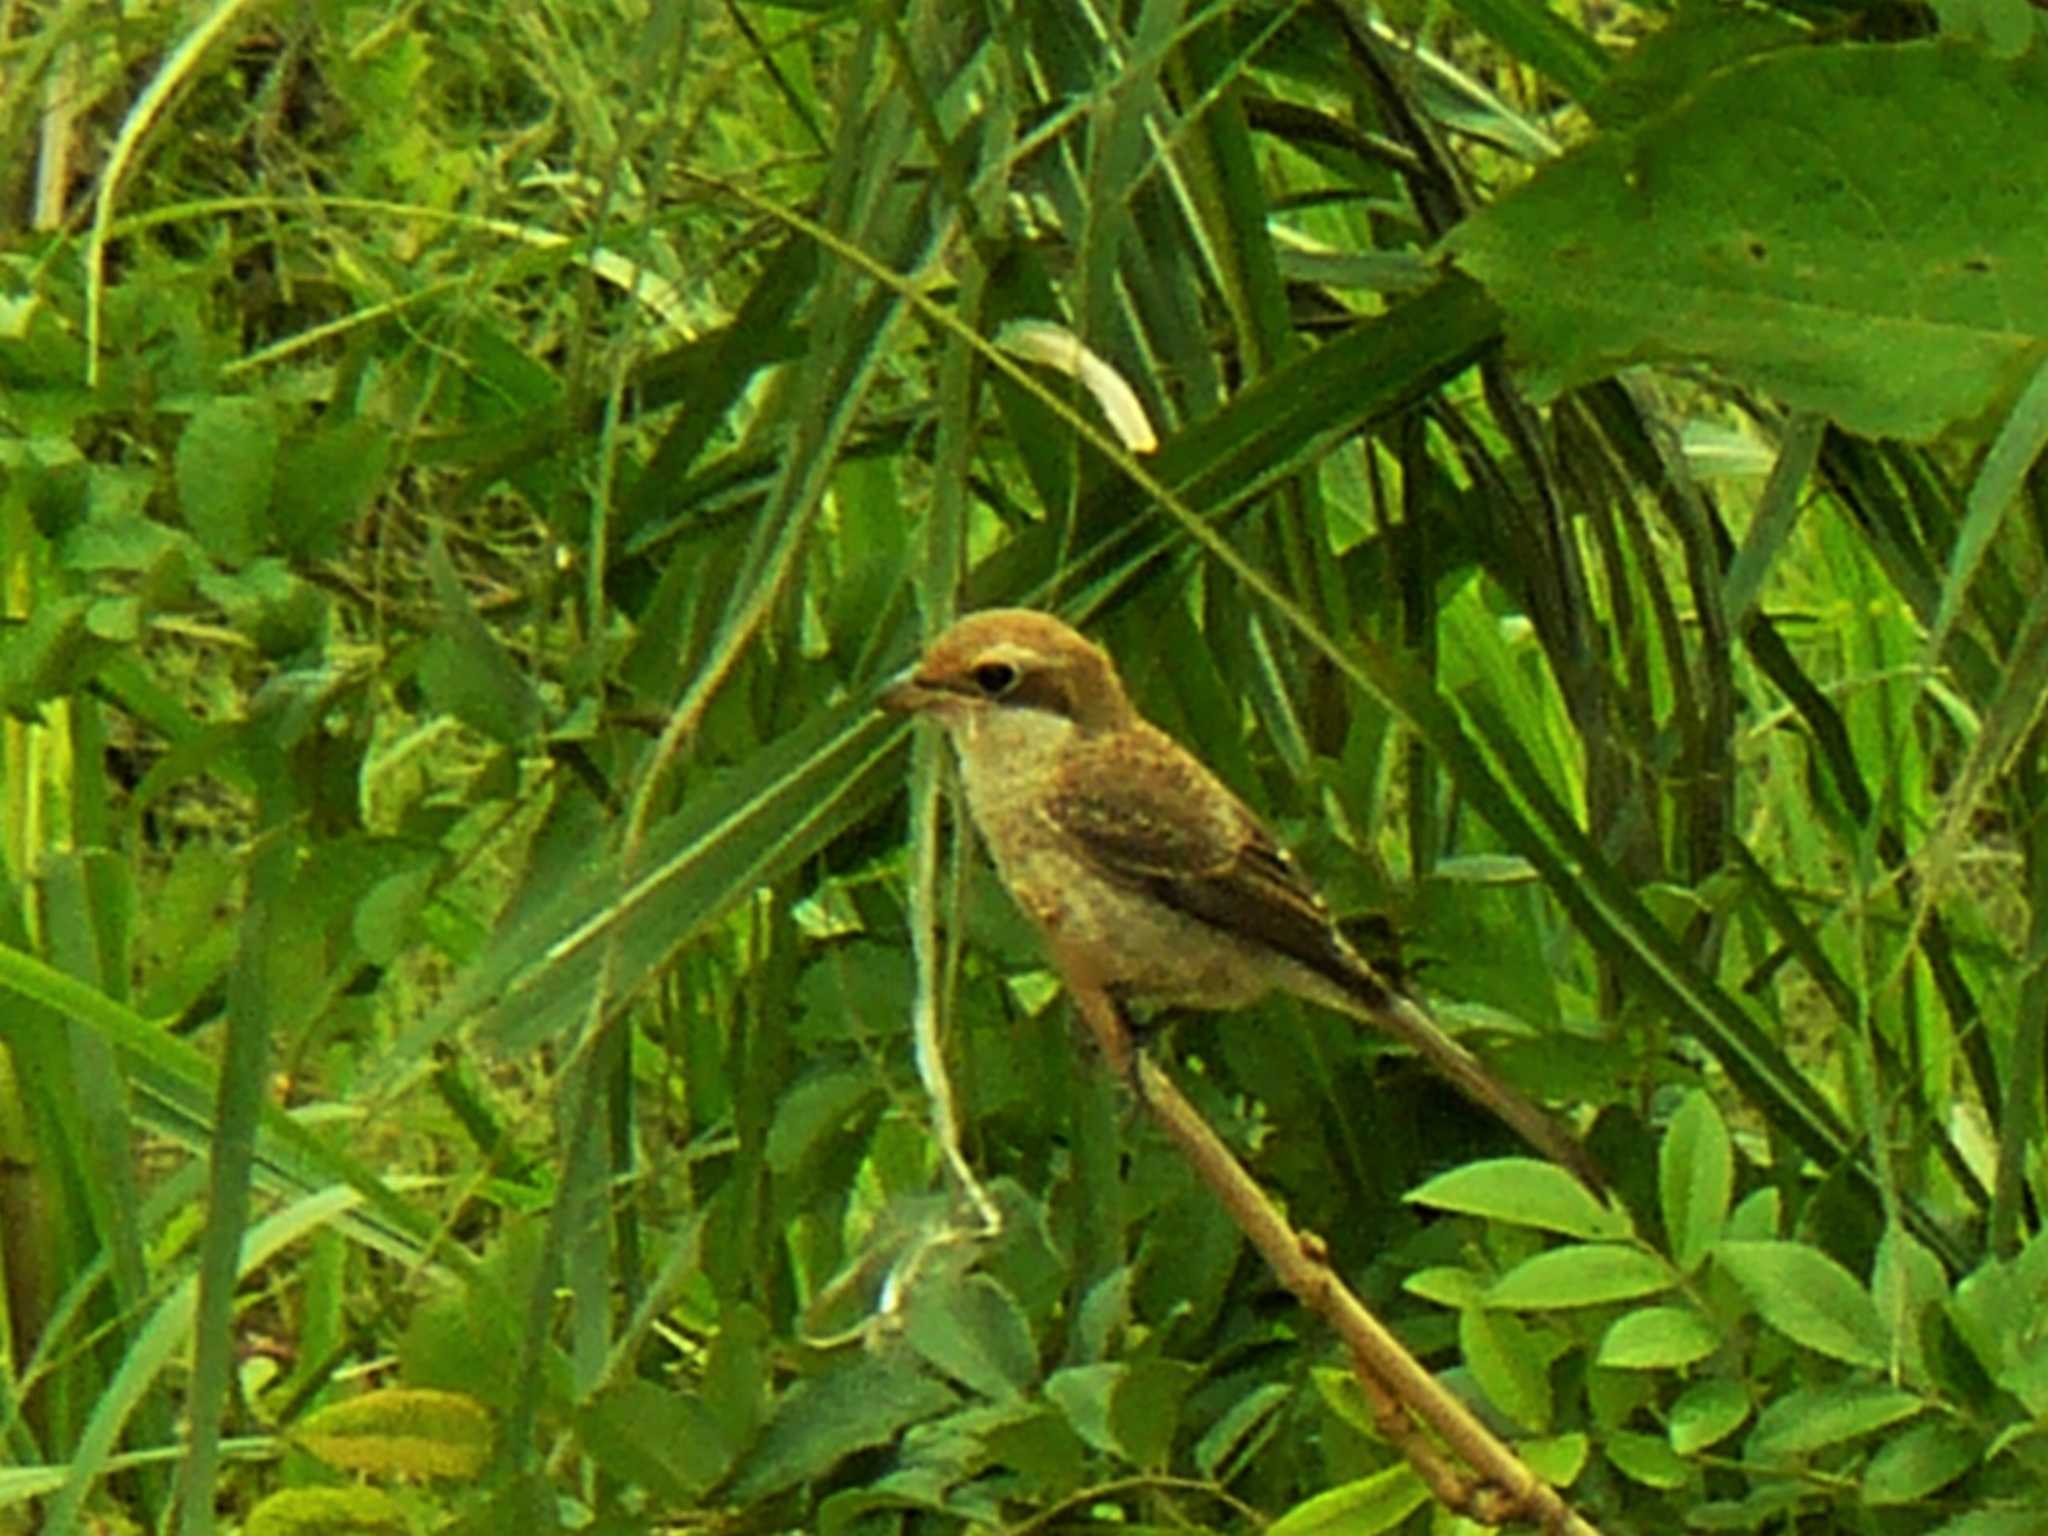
[{"x": 1139, "y": 866}]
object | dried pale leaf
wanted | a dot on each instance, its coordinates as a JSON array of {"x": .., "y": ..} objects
[{"x": 1041, "y": 341}]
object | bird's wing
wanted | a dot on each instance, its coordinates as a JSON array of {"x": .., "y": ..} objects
[{"x": 1148, "y": 815}]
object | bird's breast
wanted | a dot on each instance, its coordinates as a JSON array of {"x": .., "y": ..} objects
[{"x": 1127, "y": 938}]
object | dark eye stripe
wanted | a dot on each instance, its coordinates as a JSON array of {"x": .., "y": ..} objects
[{"x": 1041, "y": 690}]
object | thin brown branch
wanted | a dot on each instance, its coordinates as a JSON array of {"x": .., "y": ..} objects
[{"x": 1493, "y": 1485}]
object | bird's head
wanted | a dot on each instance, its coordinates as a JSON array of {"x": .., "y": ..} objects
[{"x": 1011, "y": 659}]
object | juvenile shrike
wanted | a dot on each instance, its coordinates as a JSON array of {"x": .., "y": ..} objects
[{"x": 1135, "y": 859}]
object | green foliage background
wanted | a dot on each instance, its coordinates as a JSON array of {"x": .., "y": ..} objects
[{"x": 478, "y": 1018}]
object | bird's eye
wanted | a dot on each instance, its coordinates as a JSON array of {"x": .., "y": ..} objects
[{"x": 995, "y": 678}]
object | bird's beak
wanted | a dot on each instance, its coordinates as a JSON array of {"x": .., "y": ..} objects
[{"x": 905, "y": 695}]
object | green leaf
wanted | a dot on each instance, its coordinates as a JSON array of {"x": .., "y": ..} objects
[
  {"x": 1695, "y": 1178},
  {"x": 324, "y": 482},
  {"x": 1809, "y": 1419},
  {"x": 667, "y": 1442},
  {"x": 1906, "y": 1284},
  {"x": 386, "y": 917},
  {"x": 1508, "y": 1366},
  {"x": 401, "y": 1432},
  {"x": 1706, "y": 1413},
  {"x": 1863, "y": 278},
  {"x": 1992, "y": 1522},
  {"x": 1582, "y": 1275},
  {"x": 816, "y": 1109},
  {"x": 1919, "y": 1461},
  {"x": 1658, "y": 1338},
  {"x": 1673, "y": 60},
  {"x": 226, "y": 465},
  {"x": 1131, "y": 1411},
  {"x": 52, "y": 655},
  {"x": 1648, "y": 1459},
  {"x": 1245, "y": 1424},
  {"x": 467, "y": 672},
  {"x": 1763, "y": 1508},
  {"x": 1376, "y": 1503},
  {"x": 1809, "y": 1298},
  {"x": 2002, "y": 28},
  {"x": 1558, "y": 1460},
  {"x": 1527, "y": 1193},
  {"x": 1341, "y": 1394},
  {"x": 1447, "y": 1286},
  {"x": 1758, "y": 1217},
  {"x": 826, "y": 1418},
  {"x": 974, "y": 1331},
  {"x": 329, "y": 1512}
]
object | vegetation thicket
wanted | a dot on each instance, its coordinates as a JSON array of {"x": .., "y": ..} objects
[{"x": 483, "y": 1045}]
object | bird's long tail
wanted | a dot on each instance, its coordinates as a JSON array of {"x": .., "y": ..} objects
[{"x": 1404, "y": 1019}]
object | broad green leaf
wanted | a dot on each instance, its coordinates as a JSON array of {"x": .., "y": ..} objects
[
  {"x": 1582, "y": 1275},
  {"x": 1504, "y": 1358},
  {"x": 1863, "y": 278},
  {"x": 1376, "y": 1503},
  {"x": 1558, "y": 1460},
  {"x": 1127, "y": 1410},
  {"x": 1992, "y": 1522},
  {"x": 1758, "y": 1218},
  {"x": 665, "y": 1441},
  {"x": 1766, "y": 1503},
  {"x": 1105, "y": 1312},
  {"x": 2026, "y": 1376},
  {"x": 1906, "y": 1283},
  {"x": 973, "y": 1330},
  {"x": 1707, "y": 1413},
  {"x": 1340, "y": 1393},
  {"x": 325, "y": 480},
  {"x": 1447, "y": 1286},
  {"x": 736, "y": 1371},
  {"x": 1042, "y": 1448},
  {"x": 1527, "y": 1193},
  {"x": 2002, "y": 28},
  {"x": 826, "y": 1418},
  {"x": 1809, "y": 1298},
  {"x": 1085, "y": 1393},
  {"x": 226, "y": 464},
  {"x": 1919, "y": 1461},
  {"x": 1691, "y": 45},
  {"x": 814, "y": 1110},
  {"x": 1808, "y": 1419},
  {"x": 401, "y": 1432},
  {"x": 329, "y": 1512},
  {"x": 385, "y": 918},
  {"x": 467, "y": 671},
  {"x": 1647, "y": 1459},
  {"x": 1695, "y": 1177},
  {"x": 1658, "y": 1338}
]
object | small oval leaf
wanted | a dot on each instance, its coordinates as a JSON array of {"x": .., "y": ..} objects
[
  {"x": 1809, "y": 1298},
  {"x": 401, "y": 1432},
  {"x": 1658, "y": 1338},
  {"x": 1582, "y": 1275},
  {"x": 1524, "y": 1192}
]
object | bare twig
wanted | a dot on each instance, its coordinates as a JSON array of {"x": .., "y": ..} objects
[{"x": 1498, "y": 1488}]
